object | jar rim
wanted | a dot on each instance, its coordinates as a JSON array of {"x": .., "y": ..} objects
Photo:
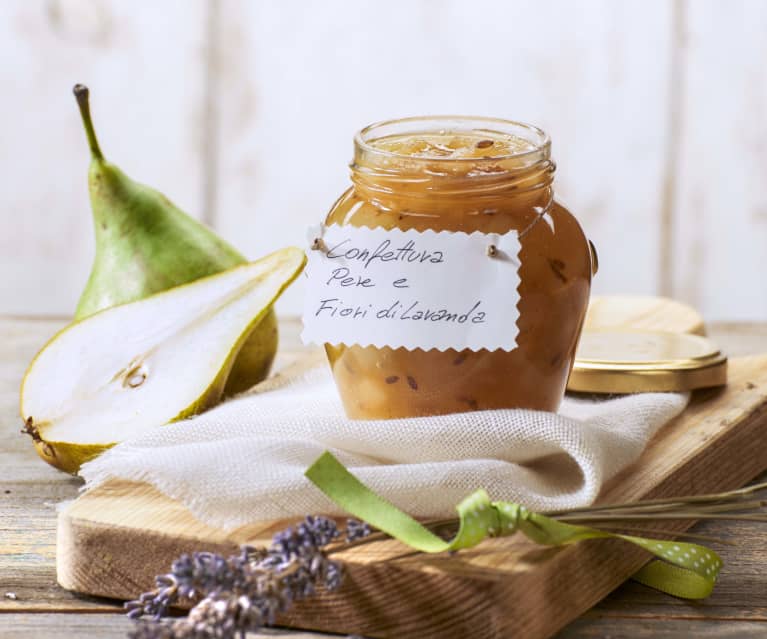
[{"x": 540, "y": 140}]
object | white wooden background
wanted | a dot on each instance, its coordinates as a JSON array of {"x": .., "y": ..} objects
[{"x": 243, "y": 113}]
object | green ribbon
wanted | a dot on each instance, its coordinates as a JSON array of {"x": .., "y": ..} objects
[{"x": 687, "y": 570}]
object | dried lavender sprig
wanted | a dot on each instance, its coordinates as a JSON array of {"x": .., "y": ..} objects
[
  {"x": 192, "y": 577},
  {"x": 667, "y": 533},
  {"x": 357, "y": 530},
  {"x": 702, "y": 516},
  {"x": 245, "y": 591},
  {"x": 729, "y": 496}
]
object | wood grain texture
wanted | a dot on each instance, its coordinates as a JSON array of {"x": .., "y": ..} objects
[
  {"x": 27, "y": 535},
  {"x": 102, "y": 626},
  {"x": 740, "y": 590},
  {"x": 243, "y": 112},
  {"x": 113, "y": 540},
  {"x": 297, "y": 80},
  {"x": 92, "y": 626},
  {"x": 606, "y": 628},
  {"x": 720, "y": 217}
]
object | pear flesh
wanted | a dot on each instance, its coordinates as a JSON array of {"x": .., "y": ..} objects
[
  {"x": 127, "y": 369},
  {"x": 145, "y": 244}
]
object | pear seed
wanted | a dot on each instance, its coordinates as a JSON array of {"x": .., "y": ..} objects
[{"x": 135, "y": 380}]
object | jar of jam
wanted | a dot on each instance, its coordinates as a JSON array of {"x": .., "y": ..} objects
[{"x": 468, "y": 174}]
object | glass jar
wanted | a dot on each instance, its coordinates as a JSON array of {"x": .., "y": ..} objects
[{"x": 468, "y": 174}]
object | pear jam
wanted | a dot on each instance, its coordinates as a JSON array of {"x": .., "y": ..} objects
[{"x": 468, "y": 174}]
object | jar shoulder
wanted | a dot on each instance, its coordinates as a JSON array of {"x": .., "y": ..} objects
[{"x": 557, "y": 233}]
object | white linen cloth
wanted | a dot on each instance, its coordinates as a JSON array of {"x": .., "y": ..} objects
[{"x": 244, "y": 460}]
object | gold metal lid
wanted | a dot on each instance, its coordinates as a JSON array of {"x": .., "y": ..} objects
[
  {"x": 614, "y": 361},
  {"x": 642, "y": 313}
]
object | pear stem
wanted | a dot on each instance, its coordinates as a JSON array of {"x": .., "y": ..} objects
[{"x": 81, "y": 94}]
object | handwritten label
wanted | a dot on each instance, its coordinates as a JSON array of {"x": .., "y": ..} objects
[{"x": 378, "y": 287}]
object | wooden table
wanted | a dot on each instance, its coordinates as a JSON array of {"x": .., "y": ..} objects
[{"x": 33, "y": 605}]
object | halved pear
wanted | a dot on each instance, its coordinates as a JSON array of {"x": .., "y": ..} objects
[{"x": 124, "y": 370}]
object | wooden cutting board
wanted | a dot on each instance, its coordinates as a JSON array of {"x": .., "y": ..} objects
[{"x": 113, "y": 540}]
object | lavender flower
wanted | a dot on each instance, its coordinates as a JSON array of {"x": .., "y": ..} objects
[
  {"x": 356, "y": 529},
  {"x": 244, "y": 592}
]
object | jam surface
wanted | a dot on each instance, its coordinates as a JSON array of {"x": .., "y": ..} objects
[{"x": 448, "y": 145}]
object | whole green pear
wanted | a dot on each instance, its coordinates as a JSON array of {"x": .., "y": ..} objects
[{"x": 145, "y": 244}]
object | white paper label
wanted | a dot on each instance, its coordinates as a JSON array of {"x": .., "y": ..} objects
[{"x": 414, "y": 289}]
